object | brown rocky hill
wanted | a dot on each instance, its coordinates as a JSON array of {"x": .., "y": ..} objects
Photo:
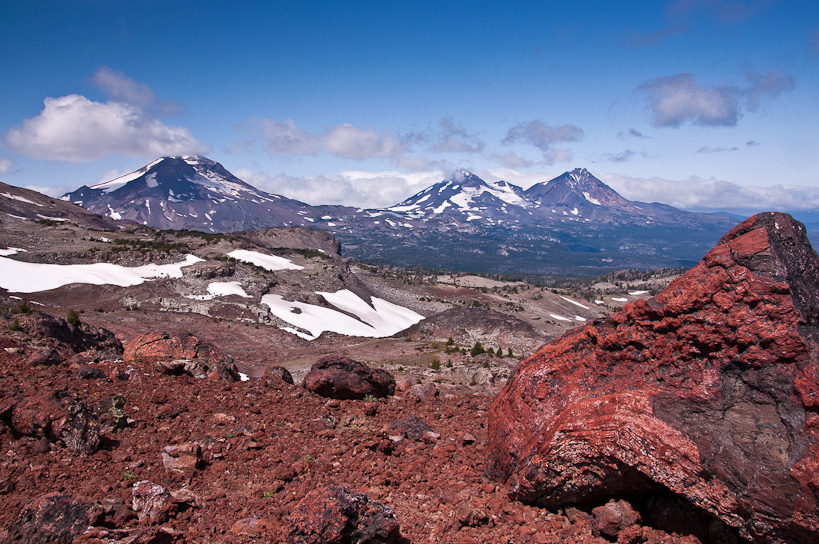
[{"x": 698, "y": 405}]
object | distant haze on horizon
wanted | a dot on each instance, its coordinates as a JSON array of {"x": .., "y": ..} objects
[{"x": 700, "y": 104}]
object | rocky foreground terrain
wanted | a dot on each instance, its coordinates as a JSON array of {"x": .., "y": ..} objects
[{"x": 168, "y": 412}]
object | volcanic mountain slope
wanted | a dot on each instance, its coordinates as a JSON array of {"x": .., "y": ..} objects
[{"x": 191, "y": 193}]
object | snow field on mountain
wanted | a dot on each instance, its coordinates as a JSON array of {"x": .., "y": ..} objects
[
  {"x": 221, "y": 289},
  {"x": 24, "y": 277},
  {"x": 268, "y": 262},
  {"x": 383, "y": 319}
]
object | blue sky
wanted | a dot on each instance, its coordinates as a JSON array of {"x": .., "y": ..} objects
[{"x": 700, "y": 104}]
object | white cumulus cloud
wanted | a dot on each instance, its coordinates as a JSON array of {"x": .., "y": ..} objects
[{"x": 74, "y": 128}]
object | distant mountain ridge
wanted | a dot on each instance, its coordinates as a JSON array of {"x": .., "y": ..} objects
[{"x": 573, "y": 222}]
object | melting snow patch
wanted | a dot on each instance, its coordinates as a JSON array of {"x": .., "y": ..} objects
[
  {"x": 576, "y": 303},
  {"x": 243, "y": 377},
  {"x": 150, "y": 180},
  {"x": 20, "y": 199},
  {"x": 590, "y": 199},
  {"x": 599, "y": 301},
  {"x": 268, "y": 262},
  {"x": 575, "y": 211},
  {"x": 636, "y": 293},
  {"x": 382, "y": 319},
  {"x": 11, "y": 251},
  {"x": 52, "y": 218},
  {"x": 619, "y": 299},
  {"x": 578, "y": 318},
  {"x": 560, "y": 317},
  {"x": 23, "y": 277}
]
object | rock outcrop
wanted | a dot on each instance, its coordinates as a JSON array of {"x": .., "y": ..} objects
[
  {"x": 707, "y": 394},
  {"x": 342, "y": 378},
  {"x": 53, "y": 415},
  {"x": 52, "y": 518},
  {"x": 181, "y": 354},
  {"x": 333, "y": 515}
]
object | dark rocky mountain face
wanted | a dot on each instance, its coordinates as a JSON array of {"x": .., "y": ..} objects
[{"x": 571, "y": 225}]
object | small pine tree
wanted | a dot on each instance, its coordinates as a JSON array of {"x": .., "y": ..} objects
[
  {"x": 509, "y": 353},
  {"x": 490, "y": 351},
  {"x": 476, "y": 350}
]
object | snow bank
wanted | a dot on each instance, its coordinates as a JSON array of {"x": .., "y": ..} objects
[
  {"x": 382, "y": 319},
  {"x": 22, "y": 277},
  {"x": 11, "y": 251},
  {"x": 576, "y": 303},
  {"x": 268, "y": 262}
]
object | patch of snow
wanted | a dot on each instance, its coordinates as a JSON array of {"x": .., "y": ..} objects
[
  {"x": 637, "y": 293},
  {"x": 17, "y": 217},
  {"x": 599, "y": 301},
  {"x": 20, "y": 199},
  {"x": 11, "y": 251},
  {"x": 331, "y": 224},
  {"x": 150, "y": 180},
  {"x": 576, "y": 303},
  {"x": 575, "y": 211},
  {"x": 590, "y": 199},
  {"x": 560, "y": 317},
  {"x": 52, "y": 218},
  {"x": 326, "y": 217},
  {"x": 381, "y": 319},
  {"x": 227, "y": 288},
  {"x": 440, "y": 209},
  {"x": 115, "y": 184},
  {"x": 619, "y": 299},
  {"x": 268, "y": 262},
  {"x": 243, "y": 377},
  {"x": 23, "y": 277}
]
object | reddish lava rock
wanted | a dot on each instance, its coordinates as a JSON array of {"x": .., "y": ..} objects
[
  {"x": 177, "y": 354},
  {"x": 52, "y": 518},
  {"x": 706, "y": 395},
  {"x": 342, "y": 378},
  {"x": 333, "y": 515}
]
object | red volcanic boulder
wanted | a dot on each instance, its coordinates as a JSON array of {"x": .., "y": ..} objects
[
  {"x": 55, "y": 416},
  {"x": 342, "y": 378},
  {"x": 51, "y": 519},
  {"x": 333, "y": 515},
  {"x": 706, "y": 395},
  {"x": 181, "y": 354}
]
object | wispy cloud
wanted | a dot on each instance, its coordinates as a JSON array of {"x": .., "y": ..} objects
[
  {"x": 452, "y": 137},
  {"x": 709, "y": 149},
  {"x": 349, "y": 188},
  {"x": 632, "y": 133},
  {"x": 695, "y": 193},
  {"x": 6, "y": 166},
  {"x": 623, "y": 156},
  {"x": 679, "y": 99},
  {"x": 544, "y": 136},
  {"x": 285, "y": 138},
  {"x": 75, "y": 129},
  {"x": 511, "y": 160}
]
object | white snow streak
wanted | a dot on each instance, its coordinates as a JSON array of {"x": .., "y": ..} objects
[
  {"x": 268, "y": 262},
  {"x": 23, "y": 277}
]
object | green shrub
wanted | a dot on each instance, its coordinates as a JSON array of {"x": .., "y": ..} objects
[
  {"x": 73, "y": 317},
  {"x": 15, "y": 325}
]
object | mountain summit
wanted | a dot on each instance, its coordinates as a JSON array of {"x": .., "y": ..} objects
[{"x": 190, "y": 192}]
